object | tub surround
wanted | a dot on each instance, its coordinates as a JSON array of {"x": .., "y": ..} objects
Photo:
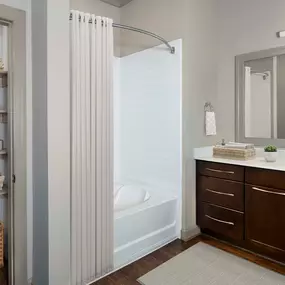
[
  {"x": 242, "y": 202},
  {"x": 144, "y": 236}
]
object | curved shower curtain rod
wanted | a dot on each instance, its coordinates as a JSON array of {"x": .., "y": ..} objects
[{"x": 129, "y": 28}]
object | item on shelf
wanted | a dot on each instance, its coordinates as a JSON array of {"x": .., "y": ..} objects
[
  {"x": 3, "y": 80},
  {"x": 2, "y": 179},
  {"x": 1, "y": 144},
  {"x": 270, "y": 153},
  {"x": 1, "y": 244},
  {"x": 1, "y": 64},
  {"x": 3, "y": 117}
]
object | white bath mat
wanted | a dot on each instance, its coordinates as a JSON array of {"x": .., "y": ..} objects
[{"x": 203, "y": 264}]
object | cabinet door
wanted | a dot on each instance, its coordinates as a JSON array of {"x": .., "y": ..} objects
[{"x": 265, "y": 216}]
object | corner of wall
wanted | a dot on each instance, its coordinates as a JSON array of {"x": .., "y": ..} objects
[{"x": 189, "y": 234}]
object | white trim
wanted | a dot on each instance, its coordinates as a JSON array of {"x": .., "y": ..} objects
[
  {"x": 188, "y": 234},
  {"x": 17, "y": 145}
]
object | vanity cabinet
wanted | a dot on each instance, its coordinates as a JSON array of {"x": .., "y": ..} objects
[
  {"x": 265, "y": 211},
  {"x": 220, "y": 198},
  {"x": 243, "y": 205}
]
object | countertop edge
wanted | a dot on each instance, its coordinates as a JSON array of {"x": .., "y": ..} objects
[{"x": 205, "y": 154}]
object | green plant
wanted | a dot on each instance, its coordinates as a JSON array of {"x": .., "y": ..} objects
[{"x": 270, "y": 148}]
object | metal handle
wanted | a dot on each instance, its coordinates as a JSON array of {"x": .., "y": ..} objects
[
  {"x": 220, "y": 221},
  {"x": 220, "y": 171},
  {"x": 220, "y": 193},
  {"x": 269, "y": 192}
]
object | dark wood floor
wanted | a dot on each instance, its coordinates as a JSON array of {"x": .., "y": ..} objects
[{"x": 129, "y": 274}]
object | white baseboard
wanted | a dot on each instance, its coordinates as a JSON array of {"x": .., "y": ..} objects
[{"x": 190, "y": 233}]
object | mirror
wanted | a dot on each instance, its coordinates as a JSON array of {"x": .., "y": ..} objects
[{"x": 260, "y": 97}]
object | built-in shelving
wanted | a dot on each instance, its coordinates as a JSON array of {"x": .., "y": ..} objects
[
  {"x": 3, "y": 152},
  {"x": 3, "y": 116},
  {"x": 4, "y": 192},
  {"x": 3, "y": 79}
]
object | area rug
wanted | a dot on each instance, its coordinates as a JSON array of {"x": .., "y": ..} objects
[{"x": 203, "y": 264}]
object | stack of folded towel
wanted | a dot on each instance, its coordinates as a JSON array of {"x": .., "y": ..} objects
[{"x": 233, "y": 150}]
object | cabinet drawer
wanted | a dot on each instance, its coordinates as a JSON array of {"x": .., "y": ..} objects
[
  {"x": 220, "y": 192},
  {"x": 265, "y": 177},
  {"x": 220, "y": 170},
  {"x": 222, "y": 221}
]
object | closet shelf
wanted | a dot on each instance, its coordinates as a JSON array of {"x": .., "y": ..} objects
[
  {"x": 3, "y": 152},
  {"x": 3, "y": 116},
  {"x": 3, "y": 79},
  {"x": 4, "y": 192}
]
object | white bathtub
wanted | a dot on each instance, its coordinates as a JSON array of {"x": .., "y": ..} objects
[
  {"x": 128, "y": 196},
  {"x": 145, "y": 219}
]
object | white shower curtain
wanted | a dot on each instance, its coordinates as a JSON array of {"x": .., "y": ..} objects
[{"x": 92, "y": 147}]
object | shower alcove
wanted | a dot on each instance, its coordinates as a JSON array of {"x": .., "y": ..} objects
[{"x": 147, "y": 116}]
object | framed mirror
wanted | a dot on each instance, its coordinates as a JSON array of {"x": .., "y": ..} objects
[{"x": 260, "y": 97}]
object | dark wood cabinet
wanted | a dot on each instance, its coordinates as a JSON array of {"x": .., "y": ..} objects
[
  {"x": 265, "y": 219},
  {"x": 243, "y": 205},
  {"x": 225, "y": 193},
  {"x": 220, "y": 170},
  {"x": 222, "y": 220}
]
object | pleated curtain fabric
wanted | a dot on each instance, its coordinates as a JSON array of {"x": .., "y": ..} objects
[{"x": 92, "y": 147}]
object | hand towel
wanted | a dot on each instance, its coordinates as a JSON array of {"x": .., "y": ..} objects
[
  {"x": 210, "y": 124},
  {"x": 239, "y": 145}
]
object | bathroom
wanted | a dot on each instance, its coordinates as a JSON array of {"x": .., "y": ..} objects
[
  {"x": 142, "y": 200},
  {"x": 153, "y": 146}
]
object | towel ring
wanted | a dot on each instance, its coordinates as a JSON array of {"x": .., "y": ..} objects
[{"x": 208, "y": 107}]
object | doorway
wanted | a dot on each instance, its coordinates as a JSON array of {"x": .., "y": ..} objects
[{"x": 13, "y": 170}]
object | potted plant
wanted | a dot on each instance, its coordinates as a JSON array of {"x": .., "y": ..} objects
[{"x": 270, "y": 153}]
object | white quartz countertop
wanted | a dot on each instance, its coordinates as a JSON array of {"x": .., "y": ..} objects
[{"x": 205, "y": 154}]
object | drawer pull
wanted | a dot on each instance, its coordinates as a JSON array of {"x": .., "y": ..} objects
[
  {"x": 220, "y": 193},
  {"x": 220, "y": 221},
  {"x": 267, "y": 245},
  {"x": 269, "y": 192},
  {"x": 220, "y": 171}
]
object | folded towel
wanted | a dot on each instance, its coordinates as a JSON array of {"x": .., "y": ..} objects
[
  {"x": 210, "y": 124},
  {"x": 239, "y": 145}
]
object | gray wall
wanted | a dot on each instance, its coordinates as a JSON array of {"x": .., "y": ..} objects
[
  {"x": 51, "y": 137},
  {"x": 101, "y": 9},
  {"x": 244, "y": 26},
  {"x": 195, "y": 22},
  {"x": 40, "y": 157}
]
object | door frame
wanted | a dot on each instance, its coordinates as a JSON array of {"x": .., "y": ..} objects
[{"x": 16, "y": 21}]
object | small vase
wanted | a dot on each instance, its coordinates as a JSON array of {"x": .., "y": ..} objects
[{"x": 270, "y": 156}]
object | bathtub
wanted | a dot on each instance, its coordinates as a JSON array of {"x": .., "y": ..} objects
[{"x": 145, "y": 219}]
